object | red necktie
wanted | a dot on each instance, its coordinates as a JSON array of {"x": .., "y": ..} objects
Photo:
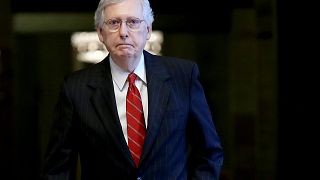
[{"x": 135, "y": 120}]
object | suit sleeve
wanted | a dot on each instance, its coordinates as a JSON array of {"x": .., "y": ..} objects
[
  {"x": 206, "y": 154},
  {"x": 61, "y": 156}
]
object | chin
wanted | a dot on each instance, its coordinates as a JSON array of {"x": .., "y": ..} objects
[
  {"x": 126, "y": 55},
  {"x": 129, "y": 53}
]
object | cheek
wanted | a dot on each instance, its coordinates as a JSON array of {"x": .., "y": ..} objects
[
  {"x": 109, "y": 41},
  {"x": 109, "y": 45},
  {"x": 140, "y": 39}
]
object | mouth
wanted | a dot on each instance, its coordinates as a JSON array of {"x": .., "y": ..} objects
[{"x": 124, "y": 45}]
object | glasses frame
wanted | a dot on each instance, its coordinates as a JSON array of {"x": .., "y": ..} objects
[{"x": 106, "y": 22}]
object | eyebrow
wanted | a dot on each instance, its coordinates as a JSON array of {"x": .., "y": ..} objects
[{"x": 132, "y": 17}]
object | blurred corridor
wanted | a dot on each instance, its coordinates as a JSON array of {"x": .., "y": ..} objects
[{"x": 235, "y": 43}]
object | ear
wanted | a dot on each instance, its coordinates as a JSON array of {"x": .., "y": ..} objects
[
  {"x": 149, "y": 30},
  {"x": 100, "y": 33}
]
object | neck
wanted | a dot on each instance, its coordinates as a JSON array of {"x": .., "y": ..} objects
[{"x": 127, "y": 64}]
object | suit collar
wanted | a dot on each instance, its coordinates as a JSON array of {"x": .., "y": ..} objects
[{"x": 119, "y": 75}]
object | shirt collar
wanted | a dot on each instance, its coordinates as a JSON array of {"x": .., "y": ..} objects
[{"x": 119, "y": 75}]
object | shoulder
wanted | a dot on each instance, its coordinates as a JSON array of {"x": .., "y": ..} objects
[
  {"x": 91, "y": 76},
  {"x": 173, "y": 64},
  {"x": 93, "y": 72}
]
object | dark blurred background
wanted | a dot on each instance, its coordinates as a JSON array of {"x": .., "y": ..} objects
[{"x": 251, "y": 55}]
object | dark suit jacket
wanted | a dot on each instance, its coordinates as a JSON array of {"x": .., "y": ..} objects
[{"x": 181, "y": 140}]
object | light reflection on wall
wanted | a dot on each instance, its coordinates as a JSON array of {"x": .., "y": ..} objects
[{"x": 89, "y": 49}]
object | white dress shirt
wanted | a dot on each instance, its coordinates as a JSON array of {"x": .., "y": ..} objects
[{"x": 120, "y": 86}]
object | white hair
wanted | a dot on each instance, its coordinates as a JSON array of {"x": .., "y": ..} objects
[{"x": 100, "y": 14}]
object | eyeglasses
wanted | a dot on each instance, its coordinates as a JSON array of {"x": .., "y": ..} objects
[{"x": 114, "y": 24}]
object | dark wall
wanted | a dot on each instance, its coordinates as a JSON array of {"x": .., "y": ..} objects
[
  {"x": 197, "y": 16},
  {"x": 298, "y": 56},
  {"x": 39, "y": 70}
]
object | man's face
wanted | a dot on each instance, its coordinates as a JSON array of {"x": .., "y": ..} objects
[{"x": 124, "y": 43}]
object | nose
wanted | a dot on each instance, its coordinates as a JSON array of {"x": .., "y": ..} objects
[{"x": 123, "y": 29}]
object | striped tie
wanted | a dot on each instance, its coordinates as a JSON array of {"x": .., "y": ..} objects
[{"x": 135, "y": 120}]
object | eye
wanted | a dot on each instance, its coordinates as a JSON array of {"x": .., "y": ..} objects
[
  {"x": 133, "y": 21},
  {"x": 113, "y": 22}
]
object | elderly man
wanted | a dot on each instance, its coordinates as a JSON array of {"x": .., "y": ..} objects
[{"x": 134, "y": 115}]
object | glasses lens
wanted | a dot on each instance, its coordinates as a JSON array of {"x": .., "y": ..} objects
[
  {"x": 134, "y": 23},
  {"x": 113, "y": 24}
]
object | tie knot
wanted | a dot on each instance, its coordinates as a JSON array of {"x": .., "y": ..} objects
[{"x": 131, "y": 78}]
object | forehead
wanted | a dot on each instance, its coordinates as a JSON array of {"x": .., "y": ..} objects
[{"x": 124, "y": 9}]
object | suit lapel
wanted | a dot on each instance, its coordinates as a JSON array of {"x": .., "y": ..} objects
[
  {"x": 103, "y": 101},
  {"x": 158, "y": 95}
]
